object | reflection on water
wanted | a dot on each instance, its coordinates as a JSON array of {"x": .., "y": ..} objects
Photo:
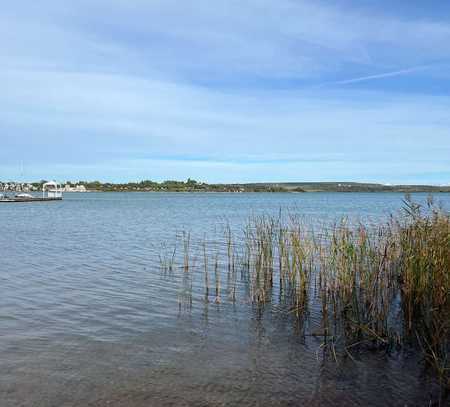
[{"x": 87, "y": 317}]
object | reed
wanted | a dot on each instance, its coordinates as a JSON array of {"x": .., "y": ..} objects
[
  {"x": 186, "y": 246},
  {"x": 425, "y": 283},
  {"x": 378, "y": 287},
  {"x": 392, "y": 285},
  {"x": 217, "y": 277},
  {"x": 357, "y": 278},
  {"x": 205, "y": 263},
  {"x": 167, "y": 258}
]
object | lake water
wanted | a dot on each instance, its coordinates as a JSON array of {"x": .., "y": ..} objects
[{"x": 87, "y": 318}]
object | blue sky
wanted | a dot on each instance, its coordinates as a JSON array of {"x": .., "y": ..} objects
[{"x": 225, "y": 91}]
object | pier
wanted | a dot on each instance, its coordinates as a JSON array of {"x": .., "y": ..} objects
[
  {"x": 33, "y": 199},
  {"x": 51, "y": 191}
]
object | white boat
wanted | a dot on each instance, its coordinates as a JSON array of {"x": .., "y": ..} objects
[{"x": 24, "y": 196}]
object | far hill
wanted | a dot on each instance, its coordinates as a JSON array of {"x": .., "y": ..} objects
[{"x": 346, "y": 187}]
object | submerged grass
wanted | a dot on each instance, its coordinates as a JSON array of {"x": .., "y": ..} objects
[{"x": 378, "y": 287}]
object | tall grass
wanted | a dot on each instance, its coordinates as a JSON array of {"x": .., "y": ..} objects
[
  {"x": 378, "y": 287},
  {"x": 425, "y": 283}
]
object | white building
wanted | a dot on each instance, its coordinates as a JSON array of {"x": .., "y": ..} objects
[{"x": 76, "y": 188}]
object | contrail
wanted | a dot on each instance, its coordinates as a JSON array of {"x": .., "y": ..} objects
[{"x": 381, "y": 75}]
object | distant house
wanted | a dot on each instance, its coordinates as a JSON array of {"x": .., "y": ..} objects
[{"x": 76, "y": 188}]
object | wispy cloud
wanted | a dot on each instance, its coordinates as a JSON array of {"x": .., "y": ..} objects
[
  {"x": 382, "y": 75},
  {"x": 110, "y": 80},
  {"x": 102, "y": 118},
  {"x": 266, "y": 39}
]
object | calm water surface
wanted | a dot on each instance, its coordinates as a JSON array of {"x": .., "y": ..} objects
[{"x": 87, "y": 318}]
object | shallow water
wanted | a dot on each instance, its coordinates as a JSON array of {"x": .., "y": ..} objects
[{"x": 88, "y": 318}]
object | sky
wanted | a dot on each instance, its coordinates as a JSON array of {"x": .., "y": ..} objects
[{"x": 225, "y": 91}]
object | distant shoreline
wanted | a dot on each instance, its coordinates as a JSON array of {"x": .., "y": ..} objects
[
  {"x": 191, "y": 186},
  {"x": 267, "y": 192}
]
